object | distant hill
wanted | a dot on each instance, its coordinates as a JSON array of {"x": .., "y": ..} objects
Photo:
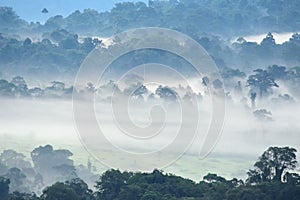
[
  {"x": 60, "y": 44},
  {"x": 225, "y": 18}
]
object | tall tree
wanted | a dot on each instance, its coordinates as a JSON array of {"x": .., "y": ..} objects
[
  {"x": 52, "y": 164},
  {"x": 110, "y": 184},
  {"x": 262, "y": 81},
  {"x": 272, "y": 165},
  {"x": 60, "y": 191}
]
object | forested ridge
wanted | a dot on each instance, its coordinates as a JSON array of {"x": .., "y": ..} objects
[
  {"x": 219, "y": 17},
  {"x": 273, "y": 176},
  {"x": 60, "y": 45}
]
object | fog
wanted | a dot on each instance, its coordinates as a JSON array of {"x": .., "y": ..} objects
[
  {"x": 26, "y": 124},
  {"x": 280, "y": 38}
]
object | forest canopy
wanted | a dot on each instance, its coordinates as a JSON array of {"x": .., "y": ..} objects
[{"x": 273, "y": 177}]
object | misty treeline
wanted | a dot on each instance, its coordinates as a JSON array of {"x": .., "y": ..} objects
[
  {"x": 273, "y": 176},
  {"x": 222, "y": 17},
  {"x": 61, "y": 44},
  {"x": 276, "y": 84},
  {"x": 61, "y": 53},
  {"x": 45, "y": 167}
]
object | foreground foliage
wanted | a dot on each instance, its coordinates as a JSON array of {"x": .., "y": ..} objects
[{"x": 271, "y": 178}]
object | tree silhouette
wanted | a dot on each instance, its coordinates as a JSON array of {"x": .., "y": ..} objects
[
  {"x": 45, "y": 10},
  {"x": 4, "y": 187},
  {"x": 268, "y": 40},
  {"x": 262, "y": 81},
  {"x": 272, "y": 165},
  {"x": 166, "y": 93}
]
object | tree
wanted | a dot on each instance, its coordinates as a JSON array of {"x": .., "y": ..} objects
[
  {"x": 292, "y": 178},
  {"x": 277, "y": 72},
  {"x": 272, "y": 165},
  {"x": 88, "y": 44},
  {"x": 136, "y": 91},
  {"x": 229, "y": 73},
  {"x": 36, "y": 92},
  {"x": 217, "y": 84},
  {"x": 3, "y": 169},
  {"x": 213, "y": 178},
  {"x": 9, "y": 18},
  {"x": 244, "y": 193},
  {"x": 27, "y": 42},
  {"x": 253, "y": 97},
  {"x": 132, "y": 192},
  {"x": 70, "y": 42},
  {"x": 110, "y": 183},
  {"x": 21, "y": 86},
  {"x": 45, "y": 11},
  {"x": 17, "y": 180},
  {"x": 7, "y": 88},
  {"x": 52, "y": 164},
  {"x": 22, "y": 196},
  {"x": 268, "y": 41},
  {"x": 60, "y": 191},
  {"x": 205, "y": 81},
  {"x": 261, "y": 80},
  {"x": 11, "y": 158},
  {"x": 4, "y": 187},
  {"x": 263, "y": 114},
  {"x": 81, "y": 188},
  {"x": 166, "y": 93},
  {"x": 64, "y": 172},
  {"x": 151, "y": 195}
]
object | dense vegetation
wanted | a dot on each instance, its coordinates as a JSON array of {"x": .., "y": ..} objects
[
  {"x": 60, "y": 45},
  {"x": 255, "y": 86},
  {"x": 61, "y": 53},
  {"x": 252, "y": 72},
  {"x": 273, "y": 177},
  {"x": 221, "y": 17}
]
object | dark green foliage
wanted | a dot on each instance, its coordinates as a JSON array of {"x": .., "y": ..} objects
[
  {"x": 60, "y": 191},
  {"x": 4, "y": 187},
  {"x": 59, "y": 51},
  {"x": 291, "y": 178},
  {"x": 263, "y": 183},
  {"x": 64, "y": 51},
  {"x": 273, "y": 164},
  {"x": 114, "y": 184},
  {"x": 75, "y": 189},
  {"x": 214, "y": 178},
  {"x": 118, "y": 185},
  {"x": 22, "y": 196},
  {"x": 110, "y": 183},
  {"x": 274, "y": 191},
  {"x": 155, "y": 185},
  {"x": 80, "y": 188}
]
